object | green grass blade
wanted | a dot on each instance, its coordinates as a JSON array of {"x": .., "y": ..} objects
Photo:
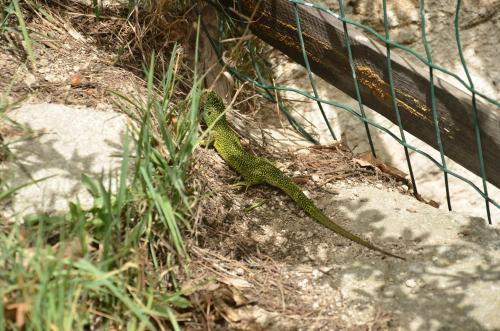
[{"x": 24, "y": 30}]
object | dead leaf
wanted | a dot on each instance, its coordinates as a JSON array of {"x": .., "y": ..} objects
[
  {"x": 226, "y": 300},
  {"x": 190, "y": 286},
  {"x": 75, "y": 80},
  {"x": 301, "y": 180},
  {"x": 239, "y": 298},
  {"x": 363, "y": 163},
  {"x": 433, "y": 203},
  {"x": 73, "y": 248},
  {"x": 17, "y": 313},
  {"x": 390, "y": 170},
  {"x": 227, "y": 312},
  {"x": 236, "y": 282},
  {"x": 367, "y": 159}
]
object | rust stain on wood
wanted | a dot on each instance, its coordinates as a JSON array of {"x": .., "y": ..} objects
[{"x": 380, "y": 89}]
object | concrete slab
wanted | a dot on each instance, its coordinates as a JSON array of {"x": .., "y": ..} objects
[
  {"x": 65, "y": 142},
  {"x": 451, "y": 279}
]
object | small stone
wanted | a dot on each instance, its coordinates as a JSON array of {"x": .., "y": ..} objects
[
  {"x": 315, "y": 178},
  {"x": 330, "y": 187},
  {"x": 30, "y": 79},
  {"x": 379, "y": 186},
  {"x": 75, "y": 80},
  {"x": 239, "y": 271},
  {"x": 323, "y": 251},
  {"x": 325, "y": 270},
  {"x": 389, "y": 293},
  {"x": 411, "y": 283},
  {"x": 43, "y": 61},
  {"x": 303, "y": 283},
  {"x": 404, "y": 188}
]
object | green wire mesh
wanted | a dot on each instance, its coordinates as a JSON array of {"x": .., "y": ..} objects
[
  {"x": 267, "y": 87},
  {"x": 474, "y": 111},
  {"x": 433, "y": 104}
]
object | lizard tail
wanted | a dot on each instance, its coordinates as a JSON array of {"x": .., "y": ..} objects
[{"x": 276, "y": 178}]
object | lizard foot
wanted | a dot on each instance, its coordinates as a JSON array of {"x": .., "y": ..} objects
[{"x": 245, "y": 184}]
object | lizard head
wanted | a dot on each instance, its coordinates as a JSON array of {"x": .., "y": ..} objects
[{"x": 213, "y": 106}]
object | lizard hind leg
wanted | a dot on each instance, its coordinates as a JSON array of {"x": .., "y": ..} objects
[
  {"x": 250, "y": 179},
  {"x": 246, "y": 183}
]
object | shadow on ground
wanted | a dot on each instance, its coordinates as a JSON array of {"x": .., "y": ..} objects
[{"x": 450, "y": 280}]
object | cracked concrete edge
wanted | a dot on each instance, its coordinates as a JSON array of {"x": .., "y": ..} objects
[{"x": 65, "y": 143}]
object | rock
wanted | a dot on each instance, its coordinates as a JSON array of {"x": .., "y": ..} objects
[
  {"x": 66, "y": 143},
  {"x": 444, "y": 271},
  {"x": 411, "y": 283}
]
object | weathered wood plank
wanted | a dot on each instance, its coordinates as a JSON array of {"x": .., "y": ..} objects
[{"x": 323, "y": 34}]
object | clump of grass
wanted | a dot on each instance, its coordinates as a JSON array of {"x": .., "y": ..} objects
[
  {"x": 151, "y": 26},
  {"x": 12, "y": 8},
  {"x": 115, "y": 265}
]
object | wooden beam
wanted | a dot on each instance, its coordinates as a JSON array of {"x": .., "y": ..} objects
[{"x": 274, "y": 22}]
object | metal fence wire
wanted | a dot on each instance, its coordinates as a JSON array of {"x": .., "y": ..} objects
[{"x": 234, "y": 20}]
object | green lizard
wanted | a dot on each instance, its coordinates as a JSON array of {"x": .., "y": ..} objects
[{"x": 258, "y": 170}]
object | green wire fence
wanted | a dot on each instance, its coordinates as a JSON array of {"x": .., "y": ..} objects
[{"x": 234, "y": 20}]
